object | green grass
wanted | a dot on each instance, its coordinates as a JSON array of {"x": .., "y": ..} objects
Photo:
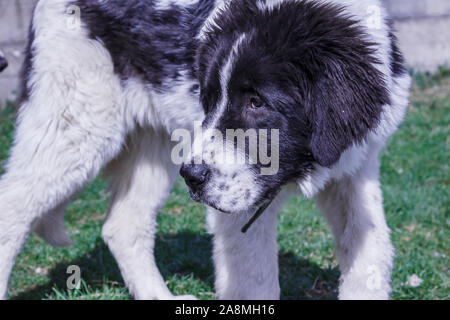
[{"x": 415, "y": 179}]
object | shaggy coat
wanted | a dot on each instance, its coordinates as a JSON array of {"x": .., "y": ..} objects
[{"x": 107, "y": 82}]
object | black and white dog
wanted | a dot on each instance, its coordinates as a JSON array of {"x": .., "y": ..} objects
[{"x": 107, "y": 82}]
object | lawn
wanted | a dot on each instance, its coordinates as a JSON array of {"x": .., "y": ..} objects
[{"x": 415, "y": 180}]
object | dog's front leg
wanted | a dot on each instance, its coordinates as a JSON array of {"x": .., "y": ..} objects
[
  {"x": 353, "y": 207},
  {"x": 141, "y": 181},
  {"x": 246, "y": 264}
]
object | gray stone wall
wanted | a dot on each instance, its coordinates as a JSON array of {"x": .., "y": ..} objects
[
  {"x": 15, "y": 16},
  {"x": 423, "y": 28},
  {"x": 417, "y": 9}
]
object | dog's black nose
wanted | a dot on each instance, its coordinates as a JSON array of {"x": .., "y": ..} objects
[
  {"x": 195, "y": 175},
  {"x": 3, "y": 64}
]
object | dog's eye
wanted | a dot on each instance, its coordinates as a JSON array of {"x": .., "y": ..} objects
[{"x": 256, "y": 102}]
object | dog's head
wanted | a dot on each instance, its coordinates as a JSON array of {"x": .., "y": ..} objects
[{"x": 298, "y": 82}]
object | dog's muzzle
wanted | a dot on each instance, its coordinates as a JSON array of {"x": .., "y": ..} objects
[{"x": 196, "y": 177}]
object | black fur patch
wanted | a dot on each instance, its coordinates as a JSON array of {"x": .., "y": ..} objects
[
  {"x": 3, "y": 63},
  {"x": 156, "y": 43},
  {"x": 24, "y": 89},
  {"x": 397, "y": 61},
  {"x": 313, "y": 67}
]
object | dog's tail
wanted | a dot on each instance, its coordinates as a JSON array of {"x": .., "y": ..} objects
[
  {"x": 3, "y": 61},
  {"x": 51, "y": 228}
]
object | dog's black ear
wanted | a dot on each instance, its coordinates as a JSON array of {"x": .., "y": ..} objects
[{"x": 346, "y": 103}]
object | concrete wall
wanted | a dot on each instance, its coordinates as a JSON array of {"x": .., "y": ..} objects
[
  {"x": 14, "y": 20},
  {"x": 417, "y": 9},
  {"x": 423, "y": 28}
]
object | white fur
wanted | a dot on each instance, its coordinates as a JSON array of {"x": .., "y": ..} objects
[
  {"x": 59, "y": 144},
  {"x": 225, "y": 75},
  {"x": 210, "y": 21},
  {"x": 166, "y": 4},
  {"x": 232, "y": 176},
  {"x": 246, "y": 263},
  {"x": 78, "y": 119},
  {"x": 348, "y": 194},
  {"x": 353, "y": 207},
  {"x": 141, "y": 181}
]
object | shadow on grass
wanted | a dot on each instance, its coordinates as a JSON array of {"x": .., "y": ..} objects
[
  {"x": 185, "y": 254},
  {"x": 302, "y": 279}
]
